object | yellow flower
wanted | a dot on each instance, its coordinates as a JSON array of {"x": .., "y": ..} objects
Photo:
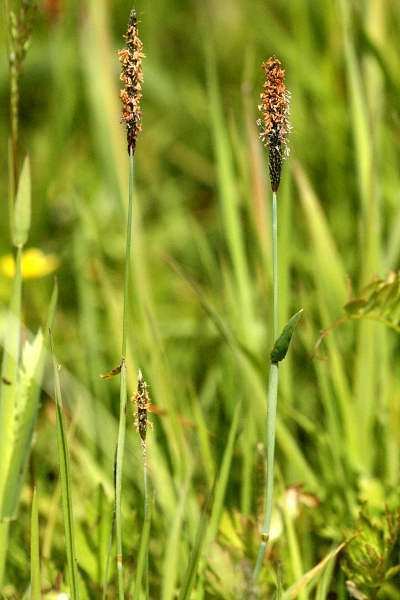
[{"x": 35, "y": 264}]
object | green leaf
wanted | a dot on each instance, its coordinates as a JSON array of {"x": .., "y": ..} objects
[
  {"x": 281, "y": 345},
  {"x": 26, "y": 407},
  {"x": 8, "y": 387},
  {"x": 392, "y": 572},
  {"x": 142, "y": 564},
  {"x": 22, "y": 207},
  {"x": 65, "y": 477},
  {"x": 35, "y": 556},
  {"x": 191, "y": 569}
]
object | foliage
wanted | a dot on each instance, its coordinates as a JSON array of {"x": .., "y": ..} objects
[
  {"x": 200, "y": 301},
  {"x": 372, "y": 555}
]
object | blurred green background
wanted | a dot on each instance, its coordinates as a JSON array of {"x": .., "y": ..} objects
[{"x": 201, "y": 294}]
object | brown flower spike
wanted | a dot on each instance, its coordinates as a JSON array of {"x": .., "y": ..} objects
[
  {"x": 132, "y": 78},
  {"x": 142, "y": 405},
  {"x": 274, "y": 124}
]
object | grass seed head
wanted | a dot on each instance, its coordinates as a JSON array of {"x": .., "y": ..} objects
[
  {"x": 142, "y": 404},
  {"x": 274, "y": 124},
  {"x": 132, "y": 78}
]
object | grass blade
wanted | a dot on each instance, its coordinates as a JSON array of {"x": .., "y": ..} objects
[
  {"x": 9, "y": 371},
  {"x": 22, "y": 207},
  {"x": 188, "y": 581},
  {"x": 35, "y": 556},
  {"x": 66, "y": 492},
  {"x": 142, "y": 566},
  {"x": 29, "y": 387},
  {"x": 123, "y": 388},
  {"x": 312, "y": 575}
]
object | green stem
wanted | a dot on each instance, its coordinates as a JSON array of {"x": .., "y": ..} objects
[
  {"x": 128, "y": 251},
  {"x": 143, "y": 557},
  {"x": 271, "y": 402},
  {"x": 123, "y": 389},
  {"x": 146, "y": 519},
  {"x": 275, "y": 265},
  {"x": 4, "y": 536}
]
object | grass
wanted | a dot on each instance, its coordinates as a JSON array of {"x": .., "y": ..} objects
[{"x": 200, "y": 302}]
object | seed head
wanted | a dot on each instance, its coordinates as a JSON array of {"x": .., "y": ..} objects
[
  {"x": 142, "y": 405},
  {"x": 132, "y": 78},
  {"x": 274, "y": 124}
]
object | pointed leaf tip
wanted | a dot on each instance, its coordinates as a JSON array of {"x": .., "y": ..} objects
[{"x": 21, "y": 221}]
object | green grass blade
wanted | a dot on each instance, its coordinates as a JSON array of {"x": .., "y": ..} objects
[
  {"x": 142, "y": 564},
  {"x": 123, "y": 387},
  {"x": 322, "y": 590},
  {"x": 270, "y": 442},
  {"x": 171, "y": 561},
  {"x": 9, "y": 373},
  {"x": 223, "y": 476},
  {"x": 195, "y": 556},
  {"x": 35, "y": 555},
  {"x": 66, "y": 492},
  {"x": 22, "y": 207},
  {"x": 33, "y": 362},
  {"x": 329, "y": 271},
  {"x": 312, "y": 576},
  {"x": 118, "y": 480},
  {"x": 228, "y": 191}
]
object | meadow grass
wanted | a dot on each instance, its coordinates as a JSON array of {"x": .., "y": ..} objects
[{"x": 200, "y": 305}]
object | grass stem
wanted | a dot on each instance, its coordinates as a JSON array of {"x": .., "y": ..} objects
[
  {"x": 123, "y": 388},
  {"x": 143, "y": 557},
  {"x": 271, "y": 401},
  {"x": 65, "y": 479},
  {"x": 35, "y": 552}
]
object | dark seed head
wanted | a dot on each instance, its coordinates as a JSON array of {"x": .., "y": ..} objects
[
  {"x": 132, "y": 78},
  {"x": 274, "y": 124},
  {"x": 142, "y": 403}
]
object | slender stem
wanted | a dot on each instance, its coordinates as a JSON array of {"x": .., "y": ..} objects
[
  {"x": 146, "y": 518},
  {"x": 142, "y": 568},
  {"x": 4, "y": 537},
  {"x": 271, "y": 402},
  {"x": 123, "y": 389},
  {"x": 275, "y": 266},
  {"x": 128, "y": 251}
]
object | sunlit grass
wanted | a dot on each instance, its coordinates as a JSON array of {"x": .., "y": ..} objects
[{"x": 200, "y": 304}]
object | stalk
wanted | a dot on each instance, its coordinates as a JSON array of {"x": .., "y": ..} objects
[
  {"x": 271, "y": 401},
  {"x": 274, "y": 129},
  {"x": 131, "y": 94},
  {"x": 141, "y": 408},
  {"x": 123, "y": 388}
]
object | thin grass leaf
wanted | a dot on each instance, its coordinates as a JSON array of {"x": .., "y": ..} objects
[
  {"x": 229, "y": 199},
  {"x": 195, "y": 556},
  {"x": 22, "y": 207},
  {"x": 325, "y": 581},
  {"x": 118, "y": 479},
  {"x": 328, "y": 268},
  {"x": 142, "y": 565},
  {"x": 8, "y": 387},
  {"x": 171, "y": 561},
  {"x": 8, "y": 383},
  {"x": 223, "y": 476},
  {"x": 66, "y": 492},
  {"x": 26, "y": 410},
  {"x": 312, "y": 575},
  {"x": 35, "y": 554}
]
